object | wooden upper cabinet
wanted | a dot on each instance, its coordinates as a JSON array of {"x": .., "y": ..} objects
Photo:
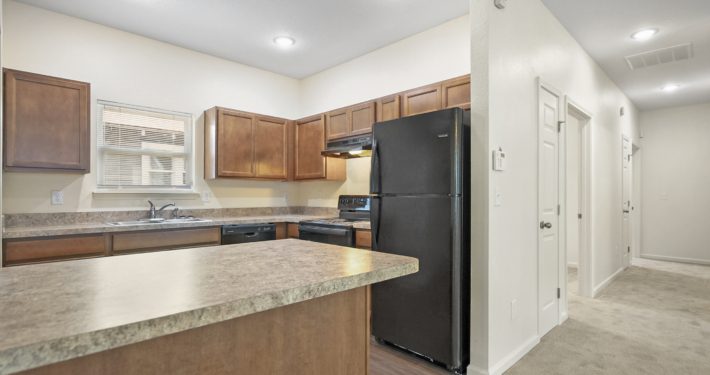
[
  {"x": 46, "y": 121},
  {"x": 235, "y": 144},
  {"x": 337, "y": 124},
  {"x": 245, "y": 145},
  {"x": 421, "y": 100},
  {"x": 309, "y": 141},
  {"x": 388, "y": 108},
  {"x": 271, "y": 147},
  {"x": 456, "y": 92},
  {"x": 362, "y": 117},
  {"x": 354, "y": 120}
]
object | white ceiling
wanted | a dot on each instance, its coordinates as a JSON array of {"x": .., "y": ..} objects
[
  {"x": 604, "y": 28},
  {"x": 327, "y": 32}
]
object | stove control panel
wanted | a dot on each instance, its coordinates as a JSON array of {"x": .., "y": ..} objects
[{"x": 354, "y": 203}]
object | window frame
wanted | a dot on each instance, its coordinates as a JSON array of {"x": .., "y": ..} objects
[{"x": 189, "y": 154}]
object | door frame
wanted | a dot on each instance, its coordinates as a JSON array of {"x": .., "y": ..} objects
[
  {"x": 626, "y": 257},
  {"x": 585, "y": 267},
  {"x": 561, "y": 236}
]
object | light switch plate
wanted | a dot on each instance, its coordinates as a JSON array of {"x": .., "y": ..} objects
[
  {"x": 57, "y": 197},
  {"x": 205, "y": 196}
]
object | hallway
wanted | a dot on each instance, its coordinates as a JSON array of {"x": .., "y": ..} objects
[{"x": 654, "y": 319}]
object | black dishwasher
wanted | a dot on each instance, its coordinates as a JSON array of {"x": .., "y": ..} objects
[{"x": 242, "y": 233}]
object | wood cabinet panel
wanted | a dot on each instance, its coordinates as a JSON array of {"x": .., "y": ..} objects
[
  {"x": 456, "y": 93},
  {"x": 46, "y": 121},
  {"x": 281, "y": 231},
  {"x": 363, "y": 239},
  {"x": 325, "y": 335},
  {"x": 293, "y": 230},
  {"x": 388, "y": 108},
  {"x": 310, "y": 141},
  {"x": 33, "y": 250},
  {"x": 165, "y": 239},
  {"x": 362, "y": 117},
  {"x": 421, "y": 100},
  {"x": 235, "y": 144},
  {"x": 271, "y": 147},
  {"x": 337, "y": 124}
]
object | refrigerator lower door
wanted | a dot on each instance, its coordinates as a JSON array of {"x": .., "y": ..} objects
[{"x": 418, "y": 311}]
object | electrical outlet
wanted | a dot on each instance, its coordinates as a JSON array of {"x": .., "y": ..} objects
[
  {"x": 205, "y": 196},
  {"x": 498, "y": 199},
  {"x": 57, "y": 197},
  {"x": 513, "y": 309}
]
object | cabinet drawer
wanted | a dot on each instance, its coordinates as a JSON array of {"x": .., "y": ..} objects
[
  {"x": 41, "y": 249},
  {"x": 363, "y": 239},
  {"x": 293, "y": 230},
  {"x": 164, "y": 240}
]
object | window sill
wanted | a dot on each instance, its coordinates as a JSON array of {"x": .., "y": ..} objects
[{"x": 123, "y": 193}]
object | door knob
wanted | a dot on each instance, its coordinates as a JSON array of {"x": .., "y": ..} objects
[{"x": 544, "y": 225}]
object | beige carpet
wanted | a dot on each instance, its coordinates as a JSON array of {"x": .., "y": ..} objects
[{"x": 653, "y": 319}]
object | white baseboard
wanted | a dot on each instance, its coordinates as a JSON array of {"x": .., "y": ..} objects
[
  {"x": 572, "y": 265},
  {"x": 703, "y": 262},
  {"x": 563, "y": 317},
  {"x": 475, "y": 370},
  {"x": 606, "y": 282},
  {"x": 508, "y": 361}
]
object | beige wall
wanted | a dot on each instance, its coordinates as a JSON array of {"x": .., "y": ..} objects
[
  {"x": 434, "y": 55},
  {"x": 127, "y": 68},
  {"x": 521, "y": 43},
  {"x": 674, "y": 184}
]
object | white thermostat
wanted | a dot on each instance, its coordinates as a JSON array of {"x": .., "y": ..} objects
[{"x": 498, "y": 160}]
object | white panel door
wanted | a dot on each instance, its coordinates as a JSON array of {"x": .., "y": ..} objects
[
  {"x": 548, "y": 200},
  {"x": 626, "y": 200}
]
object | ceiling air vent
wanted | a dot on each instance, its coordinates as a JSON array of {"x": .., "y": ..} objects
[{"x": 660, "y": 56}]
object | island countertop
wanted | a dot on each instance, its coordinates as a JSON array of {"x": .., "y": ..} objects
[{"x": 59, "y": 311}]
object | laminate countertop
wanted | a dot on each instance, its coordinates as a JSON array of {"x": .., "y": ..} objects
[
  {"x": 58, "y": 311},
  {"x": 70, "y": 229}
]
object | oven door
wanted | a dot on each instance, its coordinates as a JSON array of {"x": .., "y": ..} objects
[{"x": 330, "y": 235}]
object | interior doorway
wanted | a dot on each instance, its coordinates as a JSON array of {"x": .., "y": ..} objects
[
  {"x": 636, "y": 203},
  {"x": 578, "y": 198},
  {"x": 626, "y": 186}
]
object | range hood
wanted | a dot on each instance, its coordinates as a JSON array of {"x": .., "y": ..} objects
[{"x": 357, "y": 146}]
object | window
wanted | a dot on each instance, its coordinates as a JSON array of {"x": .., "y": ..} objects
[{"x": 143, "y": 148}]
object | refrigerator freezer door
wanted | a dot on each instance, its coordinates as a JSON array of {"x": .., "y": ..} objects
[
  {"x": 414, "y": 155},
  {"x": 415, "y": 311}
]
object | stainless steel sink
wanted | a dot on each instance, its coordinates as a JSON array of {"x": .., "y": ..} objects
[{"x": 159, "y": 221}]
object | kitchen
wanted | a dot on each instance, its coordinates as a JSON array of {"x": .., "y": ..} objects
[{"x": 278, "y": 176}]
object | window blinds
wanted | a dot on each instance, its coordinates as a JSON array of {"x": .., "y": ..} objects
[{"x": 139, "y": 147}]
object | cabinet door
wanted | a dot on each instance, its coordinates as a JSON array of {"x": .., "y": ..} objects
[
  {"x": 270, "y": 147},
  {"x": 165, "y": 240},
  {"x": 35, "y": 250},
  {"x": 235, "y": 144},
  {"x": 421, "y": 100},
  {"x": 388, "y": 108},
  {"x": 337, "y": 124},
  {"x": 457, "y": 93},
  {"x": 46, "y": 123},
  {"x": 362, "y": 118},
  {"x": 310, "y": 140}
]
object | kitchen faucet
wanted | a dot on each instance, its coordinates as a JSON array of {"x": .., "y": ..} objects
[{"x": 152, "y": 211}]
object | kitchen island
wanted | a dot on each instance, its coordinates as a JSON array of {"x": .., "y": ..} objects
[{"x": 273, "y": 307}]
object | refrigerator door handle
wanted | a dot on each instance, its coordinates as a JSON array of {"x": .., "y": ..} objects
[
  {"x": 375, "y": 216},
  {"x": 375, "y": 169}
]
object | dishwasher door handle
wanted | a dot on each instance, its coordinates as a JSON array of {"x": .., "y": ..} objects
[{"x": 321, "y": 230}]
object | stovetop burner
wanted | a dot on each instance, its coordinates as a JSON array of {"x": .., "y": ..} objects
[{"x": 353, "y": 209}]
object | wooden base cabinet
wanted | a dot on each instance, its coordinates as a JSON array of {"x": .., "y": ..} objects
[
  {"x": 46, "y": 121},
  {"x": 363, "y": 239},
  {"x": 326, "y": 335},
  {"x": 245, "y": 145}
]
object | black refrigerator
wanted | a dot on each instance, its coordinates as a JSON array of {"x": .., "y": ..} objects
[{"x": 420, "y": 188}]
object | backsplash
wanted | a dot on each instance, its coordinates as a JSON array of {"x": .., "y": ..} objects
[{"x": 73, "y": 218}]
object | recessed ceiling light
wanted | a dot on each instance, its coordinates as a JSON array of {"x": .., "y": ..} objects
[
  {"x": 284, "y": 41},
  {"x": 644, "y": 34},
  {"x": 671, "y": 87}
]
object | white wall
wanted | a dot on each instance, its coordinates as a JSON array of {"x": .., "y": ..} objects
[
  {"x": 525, "y": 42},
  {"x": 674, "y": 182},
  {"x": 434, "y": 55},
  {"x": 127, "y": 68}
]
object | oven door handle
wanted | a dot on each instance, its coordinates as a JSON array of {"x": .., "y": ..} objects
[{"x": 321, "y": 230}]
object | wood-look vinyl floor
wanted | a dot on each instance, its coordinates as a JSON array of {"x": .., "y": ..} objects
[{"x": 385, "y": 360}]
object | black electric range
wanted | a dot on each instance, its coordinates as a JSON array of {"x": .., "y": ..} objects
[{"x": 338, "y": 230}]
